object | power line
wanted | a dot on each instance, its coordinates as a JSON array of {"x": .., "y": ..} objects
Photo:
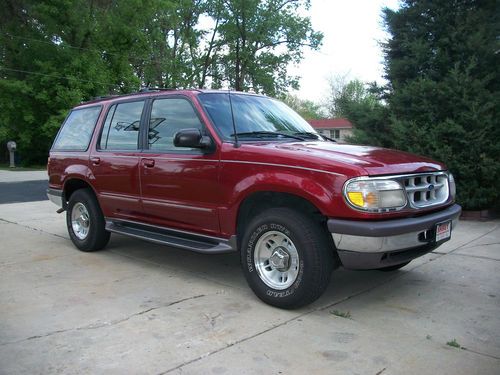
[
  {"x": 57, "y": 76},
  {"x": 64, "y": 45}
]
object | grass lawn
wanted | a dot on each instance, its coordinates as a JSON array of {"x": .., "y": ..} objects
[{"x": 5, "y": 167}]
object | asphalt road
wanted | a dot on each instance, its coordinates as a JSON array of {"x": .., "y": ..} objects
[{"x": 23, "y": 191}]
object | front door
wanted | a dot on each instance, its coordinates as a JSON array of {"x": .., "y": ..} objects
[
  {"x": 115, "y": 162},
  {"x": 179, "y": 185}
]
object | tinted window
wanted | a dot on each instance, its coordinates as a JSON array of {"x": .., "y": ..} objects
[
  {"x": 77, "y": 129},
  {"x": 121, "y": 128},
  {"x": 168, "y": 116}
]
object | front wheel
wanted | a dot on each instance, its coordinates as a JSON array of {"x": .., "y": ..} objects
[
  {"x": 287, "y": 258},
  {"x": 85, "y": 221}
]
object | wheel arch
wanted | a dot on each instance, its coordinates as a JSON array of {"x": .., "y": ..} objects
[
  {"x": 72, "y": 184},
  {"x": 256, "y": 202}
]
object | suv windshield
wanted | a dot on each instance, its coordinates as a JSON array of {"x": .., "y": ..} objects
[{"x": 255, "y": 117}]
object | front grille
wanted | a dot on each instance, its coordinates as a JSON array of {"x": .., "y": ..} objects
[{"x": 426, "y": 189}]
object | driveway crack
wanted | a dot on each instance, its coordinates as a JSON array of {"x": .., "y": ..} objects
[
  {"x": 388, "y": 280},
  {"x": 31, "y": 228},
  {"x": 106, "y": 324},
  {"x": 470, "y": 256}
]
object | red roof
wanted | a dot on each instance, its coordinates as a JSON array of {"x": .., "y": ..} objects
[{"x": 331, "y": 123}]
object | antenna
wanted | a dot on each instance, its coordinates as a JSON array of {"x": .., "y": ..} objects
[{"x": 236, "y": 143}]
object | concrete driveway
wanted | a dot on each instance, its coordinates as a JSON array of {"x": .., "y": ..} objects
[{"x": 138, "y": 308}]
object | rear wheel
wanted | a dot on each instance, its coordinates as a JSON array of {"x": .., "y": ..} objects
[
  {"x": 287, "y": 258},
  {"x": 85, "y": 221}
]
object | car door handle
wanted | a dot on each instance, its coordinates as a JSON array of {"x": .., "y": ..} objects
[
  {"x": 148, "y": 163},
  {"x": 95, "y": 160}
]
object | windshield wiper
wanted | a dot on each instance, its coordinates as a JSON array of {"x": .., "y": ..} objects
[
  {"x": 263, "y": 133},
  {"x": 315, "y": 136}
]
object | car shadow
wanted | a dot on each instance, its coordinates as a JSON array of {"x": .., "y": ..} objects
[{"x": 225, "y": 270}]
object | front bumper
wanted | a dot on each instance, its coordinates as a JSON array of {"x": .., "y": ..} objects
[{"x": 379, "y": 244}]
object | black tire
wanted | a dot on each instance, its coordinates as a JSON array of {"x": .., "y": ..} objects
[
  {"x": 97, "y": 237},
  {"x": 315, "y": 257},
  {"x": 393, "y": 268}
]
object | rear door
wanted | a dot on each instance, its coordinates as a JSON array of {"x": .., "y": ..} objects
[
  {"x": 115, "y": 162},
  {"x": 179, "y": 185}
]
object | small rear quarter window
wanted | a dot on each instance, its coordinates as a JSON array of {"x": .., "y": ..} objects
[{"x": 77, "y": 130}]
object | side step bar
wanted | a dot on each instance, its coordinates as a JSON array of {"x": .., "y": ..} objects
[{"x": 172, "y": 237}]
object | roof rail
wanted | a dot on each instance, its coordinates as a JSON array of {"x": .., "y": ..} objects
[
  {"x": 101, "y": 97},
  {"x": 153, "y": 89},
  {"x": 141, "y": 91}
]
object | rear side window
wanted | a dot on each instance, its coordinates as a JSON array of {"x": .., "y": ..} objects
[
  {"x": 121, "y": 128},
  {"x": 77, "y": 130}
]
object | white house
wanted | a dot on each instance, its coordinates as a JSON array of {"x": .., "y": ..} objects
[{"x": 336, "y": 128}]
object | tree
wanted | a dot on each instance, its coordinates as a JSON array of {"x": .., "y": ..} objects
[
  {"x": 55, "y": 54},
  {"x": 340, "y": 92},
  {"x": 443, "y": 66},
  {"x": 171, "y": 56},
  {"x": 370, "y": 116},
  {"x": 364, "y": 107},
  {"x": 306, "y": 108},
  {"x": 253, "y": 42}
]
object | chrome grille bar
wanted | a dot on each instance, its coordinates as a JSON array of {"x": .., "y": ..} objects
[{"x": 426, "y": 189}]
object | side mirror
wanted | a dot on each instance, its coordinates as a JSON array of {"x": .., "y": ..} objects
[{"x": 192, "y": 138}]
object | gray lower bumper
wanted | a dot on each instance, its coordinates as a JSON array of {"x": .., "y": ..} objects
[
  {"x": 55, "y": 196},
  {"x": 377, "y": 244}
]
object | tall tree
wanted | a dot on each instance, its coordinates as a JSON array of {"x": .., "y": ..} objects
[
  {"x": 254, "y": 42},
  {"x": 443, "y": 66},
  {"x": 57, "y": 53},
  {"x": 369, "y": 114},
  {"x": 341, "y": 93},
  {"x": 306, "y": 108},
  {"x": 53, "y": 55},
  {"x": 364, "y": 107},
  {"x": 171, "y": 37}
]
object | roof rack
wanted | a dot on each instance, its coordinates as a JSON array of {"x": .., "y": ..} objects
[
  {"x": 141, "y": 91},
  {"x": 153, "y": 89},
  {"x": 101, "y": 97}
]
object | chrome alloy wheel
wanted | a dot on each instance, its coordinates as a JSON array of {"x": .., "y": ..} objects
[
  {"x": 80, "y": 221},
  {"x": 276, "y": 260}
]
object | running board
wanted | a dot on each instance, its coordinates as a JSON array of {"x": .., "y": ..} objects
[{"x": 171, "y": 237}]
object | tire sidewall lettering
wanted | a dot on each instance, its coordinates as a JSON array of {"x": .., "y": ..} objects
[
  {"x": 256, "y": 234},
  {"x": 250, "y": 247}
]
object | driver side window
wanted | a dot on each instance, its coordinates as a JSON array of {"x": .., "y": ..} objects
[{"x": 168, "y": 116}]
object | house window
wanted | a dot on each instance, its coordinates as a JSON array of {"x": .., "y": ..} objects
[{"x": 335, "y": 133}]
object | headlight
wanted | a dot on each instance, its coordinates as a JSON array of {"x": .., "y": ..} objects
[
  {"x": 453, "y": 186},
  {"x": 376, "y": 195}
]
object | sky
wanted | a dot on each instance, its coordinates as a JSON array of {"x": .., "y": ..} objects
[{"x": 352, "y": 30}]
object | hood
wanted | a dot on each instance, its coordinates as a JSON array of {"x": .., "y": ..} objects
[{"x": 373, "y": 160}]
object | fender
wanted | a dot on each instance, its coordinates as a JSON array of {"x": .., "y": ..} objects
[
  {"x": 320, "y": 189},
  {"x": 78, "y": 172}
]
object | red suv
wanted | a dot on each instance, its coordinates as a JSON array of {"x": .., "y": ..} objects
[{"x": 215, "y": 172}]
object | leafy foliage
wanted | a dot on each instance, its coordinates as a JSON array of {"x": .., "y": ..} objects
[
  {"x": 57, "y": 53},
  {"x": 443, "y": 66},
  {"x": 53, "y": 54},
  {"x": 254, "y": 41},
  {"x": 363, "y": 106},
  {"x": 306, "y": 108}
]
